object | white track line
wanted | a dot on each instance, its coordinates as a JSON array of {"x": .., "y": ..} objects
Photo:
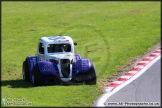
[{"x": 110, "y": 90}]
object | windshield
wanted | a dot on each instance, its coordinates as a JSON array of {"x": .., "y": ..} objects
[{"x": 58, "y": 48}]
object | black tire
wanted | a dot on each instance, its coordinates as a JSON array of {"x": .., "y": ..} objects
[
  {"x": 92, "y": 74},
  {"x": 37, "y": 76},
  {"x": 25, "y": 71}
]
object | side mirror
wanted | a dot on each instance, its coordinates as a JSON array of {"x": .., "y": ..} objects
[{"x": 75, "y": 43}]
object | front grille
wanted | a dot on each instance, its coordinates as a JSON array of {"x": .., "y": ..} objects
[{"x": 65, "y": 67}]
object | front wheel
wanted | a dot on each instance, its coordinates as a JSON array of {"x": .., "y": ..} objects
[
  {"x": 37, "y": 77},
  {"x": 92, "y": 74},
  {"x": 25, "y": 71}
]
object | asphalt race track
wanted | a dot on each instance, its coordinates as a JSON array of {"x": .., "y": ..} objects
[{"x": 143, "y": 91}]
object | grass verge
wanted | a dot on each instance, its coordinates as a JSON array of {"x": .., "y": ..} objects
[{"x": 108, "y": 33}]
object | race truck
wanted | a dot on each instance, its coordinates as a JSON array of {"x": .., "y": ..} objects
[{"x": 56, "y": 63}]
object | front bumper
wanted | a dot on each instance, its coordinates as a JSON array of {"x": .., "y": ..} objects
[{"x": 50, "y": 80}]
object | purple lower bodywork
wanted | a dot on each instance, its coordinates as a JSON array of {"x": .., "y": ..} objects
[
  {"x": 83, "y": 65},
  {"x": 32, "y": 60},
  {"x": 50, "y": 68},
  {"x": 47, "y": 68},
  {"x": 80, "y": 64}
]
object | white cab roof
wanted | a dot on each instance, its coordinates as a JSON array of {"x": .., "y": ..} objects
[{"x": 56, "y": 39}]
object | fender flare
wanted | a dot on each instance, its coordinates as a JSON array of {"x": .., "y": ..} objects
[
  {"x": 31, "y": 60},
  {"x": 47, "y": 68},
  {"x": 82, "y": 65}
]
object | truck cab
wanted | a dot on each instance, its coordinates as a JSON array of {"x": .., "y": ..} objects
[{"x": 55, "y": 47}]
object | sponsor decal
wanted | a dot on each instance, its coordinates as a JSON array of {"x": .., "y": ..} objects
[
  {"x": 46, "y": 68},
  {"x": 67, "y": 40},
  {"x": 54, "y": 40},
  {"x": 62, "y": 40},
  {"x": 84, "y": 65},
  {"x": 58, "y": 39}
]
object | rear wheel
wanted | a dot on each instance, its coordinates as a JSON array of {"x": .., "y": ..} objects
[
  {"x": 37, "y": 77},
  {"x": 25, "y": 71},
  {"x": 92, "y": 74}
]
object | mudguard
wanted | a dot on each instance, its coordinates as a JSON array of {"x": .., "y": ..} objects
[
  {"x": 32, "y": 60},
  {"x": 47, "y": 68},
  {"x": 77, "y": 57},
  {"x": 83, "y": 65}
]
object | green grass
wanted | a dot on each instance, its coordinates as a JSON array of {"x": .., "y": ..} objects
[{"x": 108, "y": 33}]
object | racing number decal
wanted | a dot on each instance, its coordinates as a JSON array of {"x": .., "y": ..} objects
[{"x": 46, "y": 67}]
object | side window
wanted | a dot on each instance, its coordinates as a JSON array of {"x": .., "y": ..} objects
[
  {"x": 50, "y": 48},
  {"x": 67, "y": 47},
  {"x": 41, "y": 48}
]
